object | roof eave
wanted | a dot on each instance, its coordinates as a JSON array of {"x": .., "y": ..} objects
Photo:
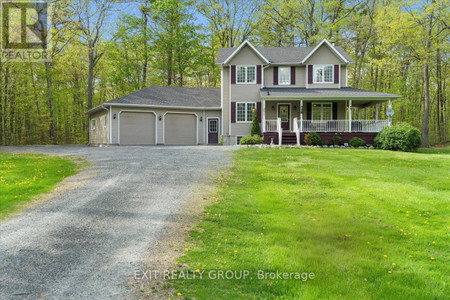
[
  {"x": 162, "y": 106},
  {"x": 246, "y": 42}
]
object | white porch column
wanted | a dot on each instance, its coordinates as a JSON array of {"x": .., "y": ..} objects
[
  {"x": 301, "y": 116},
  {"x": 263, "y": 115},
  {"x": 390, "y": 118},
  {"x": 350, "y": 116},
  {"x": 377, "y": 111}
]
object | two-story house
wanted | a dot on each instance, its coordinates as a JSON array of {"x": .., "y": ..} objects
[{"x": 293, "y": 90}]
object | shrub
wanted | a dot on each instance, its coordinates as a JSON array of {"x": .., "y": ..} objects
[
  {"x": 313, "y": 139},
  {"x": 357, "y": 142},
  {"x": 251, "y": 140},
  {"x": 255, "y": 129},
  {"x": 337, "y": 140},
  {"x": 221, "y": 140},
  {"x": 400, "y": 137}
]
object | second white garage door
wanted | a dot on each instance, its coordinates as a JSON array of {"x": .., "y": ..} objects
[{"x": 180, "y": 129}]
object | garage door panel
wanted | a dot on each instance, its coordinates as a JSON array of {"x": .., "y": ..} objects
[
  {"x": 180, "y": 129},
  {"x": 137, "y": 128}
]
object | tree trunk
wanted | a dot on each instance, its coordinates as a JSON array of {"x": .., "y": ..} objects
[
  {"x": 91, "y": 77},
  {"x": 51, "y": 108},
  {"x": 426, "y": 108}
]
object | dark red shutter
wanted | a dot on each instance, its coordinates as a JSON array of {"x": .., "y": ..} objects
[
  {"x": 292, "y": 75},
  {"x": 308, "y": 111},
  {"x": 258, "y": 111},
  {"x": 233, "y": 112},
  {"x": 275, "y": 75},
  {"x": 335, "y": 109},
  {"x": 233, "y": 74},
  {"x": 258, "y": 74},
  {"x": 336, "y": 74},
  {"x": 310, "y": 74}
]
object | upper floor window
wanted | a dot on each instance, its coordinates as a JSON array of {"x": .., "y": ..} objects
[
  {"x": 284, "y": 76},
  {"x": 93, "y": 124},
  {"x": 246, "y": 74},
  {"x": 245, "y": 111},
  {"x": 323, "y": 73}
]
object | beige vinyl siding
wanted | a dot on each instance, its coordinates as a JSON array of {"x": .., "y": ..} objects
[
  {"x": 324, "y": 56},
  {"x": 344, "y": 78},
  {"x": 246, "y": 57},
  {"x": 101, "y": 133}
]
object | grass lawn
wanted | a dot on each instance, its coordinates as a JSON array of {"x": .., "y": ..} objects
[
  {"x": 369, "y": 224},
  {"x": 23, "y": 176}
]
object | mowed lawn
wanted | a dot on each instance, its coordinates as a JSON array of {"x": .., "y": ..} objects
[
  {"x": 23, "y": 176},
  {"x": 369, "y": 224}
]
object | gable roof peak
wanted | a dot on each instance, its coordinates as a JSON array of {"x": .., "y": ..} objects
[
  {"x": 331, "y": 46},
  {"x": 246, "y": 42}
]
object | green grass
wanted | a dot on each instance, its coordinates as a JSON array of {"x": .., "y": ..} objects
[
  {"x": 437, "y": 150},
  {"x": 368, "y": 224},
  {"x": 24, "y": 176}
]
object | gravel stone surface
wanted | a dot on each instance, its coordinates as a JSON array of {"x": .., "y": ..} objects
[{"x": 87, "y": 242}]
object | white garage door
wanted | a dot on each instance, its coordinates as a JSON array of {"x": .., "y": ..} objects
[
  {"x": 180, "y": 129},
  {"x": 137, "y": 128}
]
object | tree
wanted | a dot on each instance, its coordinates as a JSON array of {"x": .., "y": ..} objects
[{"x": 255, "y": 128}]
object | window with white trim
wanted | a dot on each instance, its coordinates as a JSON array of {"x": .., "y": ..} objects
[
  {"x": 104, "y": 121},
  {"x": 93, "y": 124},
  {"x": 238, "y": 139},
  {"x": 284, "y": 76},
  {"x": 323, "y": 73},
  {"x": 246, "y": 74},
  {"x": 244, "y": 111},
  {"x": 322, "y": 111}
]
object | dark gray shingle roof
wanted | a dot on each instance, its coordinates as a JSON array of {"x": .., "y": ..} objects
[
  {"x": 343, "y": 93},
  {"x": 172, "y": 96},
  {"x": 277, "y": 55}
]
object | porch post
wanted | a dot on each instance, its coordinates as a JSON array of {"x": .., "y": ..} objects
[
  {"x": 390, "y": 118},
  {"x": 350, "y": 116},
  {"x": 301, "y": 116},
  {"x": 263, "y": 115},
  {"x": 377, "y": 111}
]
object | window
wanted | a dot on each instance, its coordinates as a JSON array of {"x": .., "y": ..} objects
[
  {"x": 104, "y": 121},
  {"x": 213, "y": 126},
  {"x": 322, "y": 111},
  {"x": 246, "y": 74},
  {"x": 323, "y": 74},
  {"x": 238, "y": 139},
  {"x": 284, "y": 76},
  {"x": 245, "y": 111},
  {"x": 93, "y": 124}
]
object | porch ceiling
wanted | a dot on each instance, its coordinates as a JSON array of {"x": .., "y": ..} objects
[{"x": 362, "y": 97}]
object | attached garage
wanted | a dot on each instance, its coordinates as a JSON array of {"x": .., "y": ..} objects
[
  {"x": 137, "y": 128},
  {"x": 180, "y": 129}
]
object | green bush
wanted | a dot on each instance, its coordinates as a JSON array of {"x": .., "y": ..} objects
[
  {"x": 337, "y": 140},
  {"x": 357, "y": 142},
  {"x": 221, "y": 140},
  {"x": 400, "y": 137},
  {"x": 313, "y": 139},
  {"x": 255, "y": 129},
  {"x": 252, "y": 140}
]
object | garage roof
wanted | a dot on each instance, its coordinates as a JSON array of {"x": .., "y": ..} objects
[{"x": 169, "y": 96}]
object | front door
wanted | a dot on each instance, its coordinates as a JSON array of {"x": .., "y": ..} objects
[
  {"x": 284, "y": 114},
  {"x": 213, "y": 131}
]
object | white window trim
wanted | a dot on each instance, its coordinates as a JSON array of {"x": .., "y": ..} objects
[
  {"x": 246, "y": 108},
  {"x": 104, "y": 121},
  {"x": 93, "y": 124},
  {"x": 246, "y": 74},
  {"x": 289, "y": 72},
  {"x": 321, "y": 111},
  {"x": 237, "y": 137},
  {"x": 315, "y": 67}
]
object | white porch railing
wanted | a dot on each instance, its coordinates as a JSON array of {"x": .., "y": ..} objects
[
  {"x": 271, "y": 126},
  {"x": 330, "y": 126},
  {"x": 280, "y": 132}
]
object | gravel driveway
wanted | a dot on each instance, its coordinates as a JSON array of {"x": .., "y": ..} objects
[{"x": 87, "y": 242}]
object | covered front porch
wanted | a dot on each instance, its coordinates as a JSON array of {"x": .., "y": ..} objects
[{"x": 284, "y": 119}]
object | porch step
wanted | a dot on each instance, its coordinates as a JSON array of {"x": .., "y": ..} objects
[{"x": 289, "y": 139}]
